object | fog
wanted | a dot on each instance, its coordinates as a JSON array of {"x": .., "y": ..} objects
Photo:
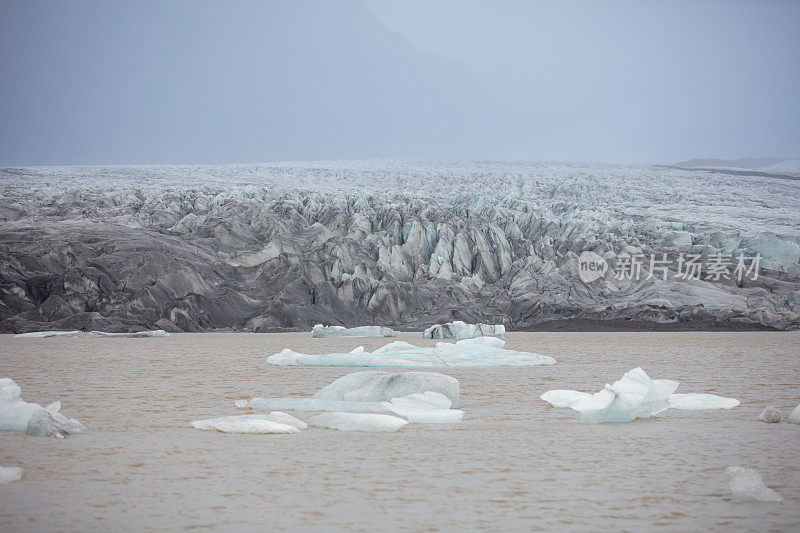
[{"x": 178, "y": 81}]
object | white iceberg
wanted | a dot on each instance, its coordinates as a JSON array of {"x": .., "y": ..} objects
[
  {"x": 48, "y": 422},
  {"x": 461, "y": 330},
  {"x": 427, "y": 408},
  {"x": 771, "y": 415},
  {"x": 482, "y": 351},
  {"x": 357, "y": 422},
  {"x": 91, "y": 334},
  {"x": 9, "y": 474},
  {"x": 746, "y": 485},
  {"x": 275, "y": 422},
  {"x": 364, "y": 392},
  {"x": 361, "y": 331},
  {"x": 794, "y": 416},
  {"x": 17, "y": 414},
  {"x": 634, "y": 396}
]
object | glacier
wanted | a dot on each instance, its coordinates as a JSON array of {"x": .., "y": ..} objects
[
  {"x": 320, "y": 331},
  {"x": 401, "y": 244},
  {"x": 17, "y": 414},
  {"x": 357, "y": 422},
  {"x": 9, "y": 474},
  {"x": 481, "y": 351},
  {"x": 275, "y": 422},
  {"x": 634, "y": 396},
  {"x": 746, "y": 485},
  {"x": 460, "y": 330}
]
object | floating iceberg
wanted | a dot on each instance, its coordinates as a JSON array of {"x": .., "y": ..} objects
[
  {"x": 357, "y": 422},
  {"x": 91, "y": 334},
  {"x": 794, "y": 416},
  {"x": 364, "y": 392},
  {"x": 48, "y": 422},
  {"x": 482, "y": 351},
  {"x": 20, "y": 415},
  {"x": 361, "y": 331},
  {"x": 461, "y": 330},
  {"x": 9, "y": 474},
  {"x": 770, "y": 414},
  {"x": 275, "y": 422},
  {"x": 746, "y": 485},
  {"x": 427, "y": 408},
  {"x": 634, "y": 396}
]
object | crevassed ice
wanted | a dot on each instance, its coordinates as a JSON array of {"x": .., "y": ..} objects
[
  {"x": 634, "y": 396},
  {"x": 461, "y": 330},
  {"x": 275, "y": 422},
  {"x": 361, "y": 331},
  {"x": 481, "y": 351},
  {"x": 746, "y": 485},
  {"x": 357, "y": 422}
]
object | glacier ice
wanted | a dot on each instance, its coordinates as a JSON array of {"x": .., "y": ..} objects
[
  {"x": 9, "y": 474},
  {"x": 746, "y": 485},
  {"x": 357, "y": 422},
  {"x": 426, "y": 408},
  {"x": 49, "y": 422},
  {"x": 91, "y": 334},
  {"x": 17, "y": 414},
  {"x": 461, "y": 330},
  {"x": 310, "y": 404},
  {"x": 770, "y": 414},
  {"x": 360, "y": 331},
  {"x": 701, "y": 401},
  {"x": 481, "y": 351},
  {"x": 634, "y": 396},
  {"x": 275, "y": 422},
  {"x": 794, "y": 416}
]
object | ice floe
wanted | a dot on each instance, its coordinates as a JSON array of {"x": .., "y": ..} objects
[
  {"x": 90, "y": 334},
  {"x": 9, "y": 474},
  {"x": 361, "y": 331},
  {"x": 634, "y": 396},
  {"x": 364, "y": 392},
  {"x": 426, "y": 408},
  {"x": 275, "y": 422},
  {"x": 481, "y": 351},
  {"x": 357, "y": 422},
  {"x": 771, "y": 415},
  {"x": 746, "y": 485},
  {"x": 461, "y": 330},
  {"x": 17, "y": 414}
]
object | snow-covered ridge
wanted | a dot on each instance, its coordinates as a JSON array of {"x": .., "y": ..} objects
[{"x": 402, "y": 244}]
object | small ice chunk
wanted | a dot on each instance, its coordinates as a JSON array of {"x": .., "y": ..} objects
[
  {"x": 770, "y": 414},
  {"x": 48, "y": 422},
  {"x": 360, "y": 331},
  {"x": 275, "y": 422},
  {"x": 562, "y": 398},
  {"x": 14, "y": 412},
  {"x": 746, "y": 485},
  {"x": 794, "y": 416},
  {"x": 357, "y": 422},
  {"x": 427, "y": 408},
  {"x": 9, "y": 474},
  {"x": 701, "y": 401}
]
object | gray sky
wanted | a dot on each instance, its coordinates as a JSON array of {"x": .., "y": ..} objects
[{"x": 186, "y": 81}]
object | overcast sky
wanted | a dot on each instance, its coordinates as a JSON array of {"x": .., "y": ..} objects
[{"x": 188, "y": 81}]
